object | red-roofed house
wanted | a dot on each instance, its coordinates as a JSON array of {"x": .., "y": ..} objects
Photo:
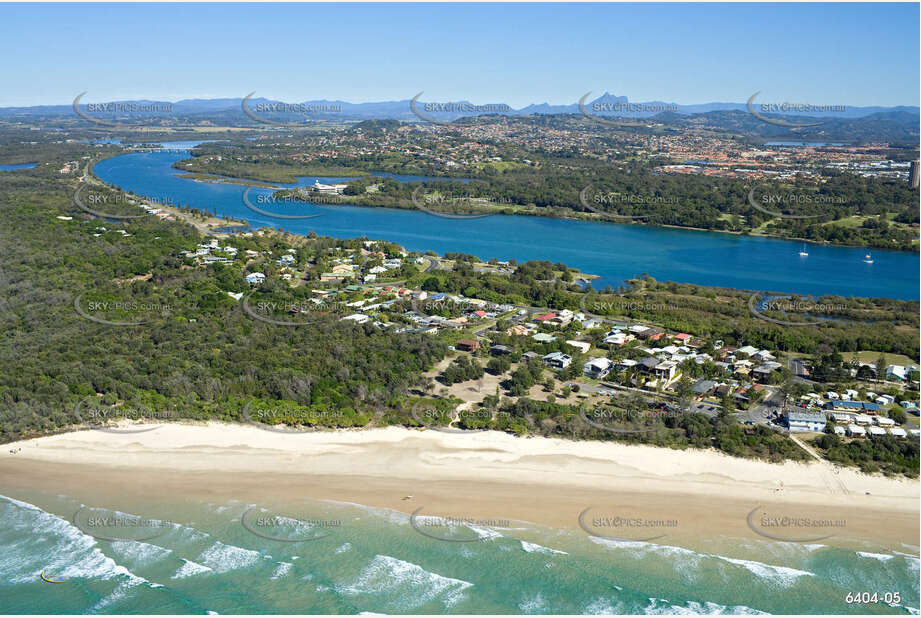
[
  {"x": 467, "y": 345},
  {"x": 545, "y": 317},
  {"x": 682, "y": 337}
]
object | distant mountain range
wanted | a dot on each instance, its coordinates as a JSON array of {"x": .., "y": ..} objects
[{"x": 605, "y": 105}]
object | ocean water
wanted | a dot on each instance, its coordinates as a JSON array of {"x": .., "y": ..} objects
[
  {"x": 336, "y": 558},
  {"x": 614, "y": 252}
]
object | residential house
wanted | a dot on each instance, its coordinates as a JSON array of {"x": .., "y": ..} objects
[
  {"x": 343, "y": 269},
  {"x": 467, "y": 345},
  {"x": 667, "y": 371},
  {"x": 582, "y": 346},
  {"x": 702, "y": 388},
  {"x": 563, "y": 318},
  {"x": 650, "y": 334},
  {"x": 763, "y": 373},
  {"x": 648, "y": 364},
  {"x": 618, "y": 339},
  {"x": 598, "y": 368},
  {"x": 558, "y": 360},
  {"x": 897, "y": 373}
]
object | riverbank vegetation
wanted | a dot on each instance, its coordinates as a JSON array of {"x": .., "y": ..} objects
[{"x": 827, "y": 206}]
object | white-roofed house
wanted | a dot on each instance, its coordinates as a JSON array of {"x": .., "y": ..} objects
[
  {"x": 598, "y": 368},
  {"x": 897, "y": 372},
  {"x": 558, "y": 360}
]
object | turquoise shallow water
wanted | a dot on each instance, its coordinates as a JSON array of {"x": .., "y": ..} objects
[
  {"x": 614, "y": 252},
  {"x": 373, "y": 561}
]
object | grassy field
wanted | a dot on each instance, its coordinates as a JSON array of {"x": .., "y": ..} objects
[
  {"x": 867, "y": 356},
  {"x": 501, "y": 166}
]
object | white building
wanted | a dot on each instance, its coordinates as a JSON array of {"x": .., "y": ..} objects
[
  {"x": 897, "y": 372},
  {"x": 598, "y": 368},
  {"x": 617, "y": 339},
  {"x": 558, "y": 360},
  {"x": 667, "y": 370},
  {"x": 321, "y": 188},
  {"x": 805, "y": 421}
]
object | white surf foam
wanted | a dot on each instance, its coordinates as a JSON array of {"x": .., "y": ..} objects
[
  {"x": 533, "y": 605},
  {"x": 409, "y": 584},
  {"x": 706, "y": 608},
  {"x": 598, "y": 607},
  {"x": 880, "y": 557},
  {"x": 534, "y": 547},
  {"x": 189, "y": 568},
  {"x": 138, "y": 553},
  {"x": 71, "y": 554},
  {"x": 784, "y": 575},
  {"x": 223, "y": 558},
  {"x": 281, "y": 570}
]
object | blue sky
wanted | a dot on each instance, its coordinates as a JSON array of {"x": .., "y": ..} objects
[{"x": 853, "y": 54}]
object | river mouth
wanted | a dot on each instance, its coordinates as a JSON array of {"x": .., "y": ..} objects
[{"x": 613, "y": 251}]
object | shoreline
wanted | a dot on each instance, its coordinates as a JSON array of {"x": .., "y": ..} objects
[{"x": 486, "y": 475}]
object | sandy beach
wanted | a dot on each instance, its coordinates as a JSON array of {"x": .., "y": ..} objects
[{"x": 487, "y": 475}]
